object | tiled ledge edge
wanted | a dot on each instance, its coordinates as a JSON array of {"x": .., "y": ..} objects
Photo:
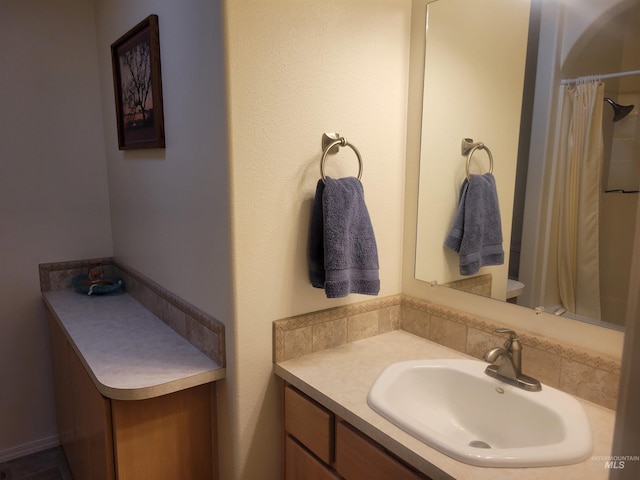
[
  {"x": 573, "y": 369},
  {"x": 202, "y": 330}
]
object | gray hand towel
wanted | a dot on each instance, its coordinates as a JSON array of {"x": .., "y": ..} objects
[
  {"x": 315, "y": 252},
  {"x": 476, "y": 233},
  {"x": 343, "y": 255}
]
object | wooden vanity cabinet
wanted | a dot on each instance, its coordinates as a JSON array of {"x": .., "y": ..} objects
[
  {"x": 321, "y": 446},
  {"x": 166, "y": 437},
  {"x": 357, "y": 456},
  {"x": 301, "y": 464},
  {"x": 310, "y": 423},
  {"x": 62, "y": 380},
  {"x": 83, "y": 414}
]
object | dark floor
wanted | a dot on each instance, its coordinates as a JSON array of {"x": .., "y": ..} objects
[{"x": 46, "y": 465}]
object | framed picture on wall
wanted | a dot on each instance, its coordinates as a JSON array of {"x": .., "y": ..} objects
[{"x": 138, "y": 86}]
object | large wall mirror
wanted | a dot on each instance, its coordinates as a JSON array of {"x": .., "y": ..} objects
[{"x": 494, "y": 72}]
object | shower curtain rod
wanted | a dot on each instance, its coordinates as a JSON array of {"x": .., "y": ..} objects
[{"x": 567, "y": 81}]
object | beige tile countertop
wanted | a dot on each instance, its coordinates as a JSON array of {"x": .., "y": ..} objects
[
  {"x": 129, "y": 353},
  {"x": 340, "y": 379}
]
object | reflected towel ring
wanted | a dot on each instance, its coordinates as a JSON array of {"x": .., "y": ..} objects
[
  {"x": 470, "y": 152},
  {"x": 340, "y": 142}
]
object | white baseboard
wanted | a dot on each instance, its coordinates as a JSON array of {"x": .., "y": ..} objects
[{"x": 29, "y": 448}]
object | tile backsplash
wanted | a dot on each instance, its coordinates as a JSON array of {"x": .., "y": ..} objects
[
  {"x": 202, "y": 330},
  {"x": 303, "y": 334},
  {"x": 575, "y": 370}
]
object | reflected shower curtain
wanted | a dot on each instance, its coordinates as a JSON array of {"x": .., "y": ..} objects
[{"x": 578, "y": 178}]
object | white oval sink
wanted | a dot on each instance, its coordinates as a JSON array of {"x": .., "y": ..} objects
[{"x": 453, "y": 406}]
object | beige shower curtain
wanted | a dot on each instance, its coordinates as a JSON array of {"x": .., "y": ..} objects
[{"x": 578, "y": 188}]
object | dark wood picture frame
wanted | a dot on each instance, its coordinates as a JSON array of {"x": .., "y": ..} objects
[{"x": 137, "y": 82}]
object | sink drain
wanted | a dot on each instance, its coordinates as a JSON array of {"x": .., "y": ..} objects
[{"x": 479, "y": 444}]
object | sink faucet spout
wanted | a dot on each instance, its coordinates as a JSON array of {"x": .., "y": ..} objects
[
  {"x": 493, "y": 354},
  {"x": 509, "y": 369},
  {"x": 506, "y": 368}
]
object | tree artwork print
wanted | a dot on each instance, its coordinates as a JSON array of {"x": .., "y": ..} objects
[
  {"x": 138, "y": 87},
  {"x": 135, "y": 68}
]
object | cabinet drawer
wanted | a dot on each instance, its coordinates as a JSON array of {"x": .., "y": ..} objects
[
  {"x": 358, "y": 458},
  {"x": 310, "y": 423},
  {"x": 301, "y": 465}
]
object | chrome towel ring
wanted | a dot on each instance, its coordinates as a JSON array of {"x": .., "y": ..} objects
[
  {"x": 331, "y": 142},
  {"x": 468, "y": 148}
]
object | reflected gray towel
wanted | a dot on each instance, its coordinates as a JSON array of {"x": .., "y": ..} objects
[
  {"x": 343, "y": 255},
  {"x": 476, "y": 233}
]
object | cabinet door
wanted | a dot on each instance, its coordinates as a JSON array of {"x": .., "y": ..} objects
[
  {"x": 82, "y": 413},
  {"x": 358, "y": 458},
  {"x": 300, "y": 464},
  {"x": 165, "y": 438},
  {"x": 93, "y": 443},
  {"x": 62, "y": 386}
]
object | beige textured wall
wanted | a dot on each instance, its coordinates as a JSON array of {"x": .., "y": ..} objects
[
  {"x": 53, "y": 194},
  {"x": 626, "y": 439},
  {"x": 170, "y": 207},
  {"x": 296, "y": 70}
]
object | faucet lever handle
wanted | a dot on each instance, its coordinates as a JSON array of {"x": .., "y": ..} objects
[
  {"x": 512, "y": 336},
  {"x": 506, "y": 330}
]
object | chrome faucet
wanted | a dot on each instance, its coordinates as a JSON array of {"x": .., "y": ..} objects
[{"x": 510, "y": 368}]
